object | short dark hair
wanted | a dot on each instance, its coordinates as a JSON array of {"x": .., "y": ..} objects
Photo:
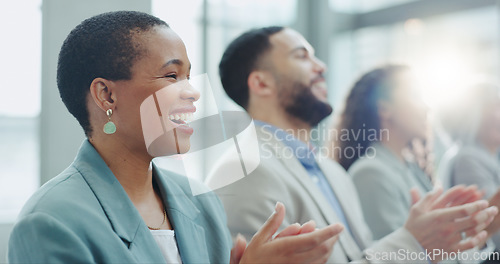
[
  {"x": 101, "y": 46},
  {"x": 240, "y": 59}
]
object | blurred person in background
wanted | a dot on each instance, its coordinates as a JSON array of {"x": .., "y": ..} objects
[
  {"x": 388, "y": 121},
  {"x": 384, "y": 103},
  {"x": 274, "y": 75},
  {"x": 473, "y": 124}
]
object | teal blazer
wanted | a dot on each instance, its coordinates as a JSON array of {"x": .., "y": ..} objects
[{"x": 85, "y": 216}]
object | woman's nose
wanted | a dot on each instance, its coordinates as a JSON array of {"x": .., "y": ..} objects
[{"x": 190, "y": 93}]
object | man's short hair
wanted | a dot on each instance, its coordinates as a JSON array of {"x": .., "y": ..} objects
[
  {"x": 241, "y": 58},
  {"x": 101, "y": 46}
]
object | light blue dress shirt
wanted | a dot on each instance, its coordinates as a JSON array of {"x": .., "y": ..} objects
[{"x": 306, "y": 155}]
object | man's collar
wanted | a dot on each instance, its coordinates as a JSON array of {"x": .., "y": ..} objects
[{"x": 303, "y": 151}]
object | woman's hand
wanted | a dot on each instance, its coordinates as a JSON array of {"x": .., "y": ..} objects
[
  {"x": 295, "y": 244},
  {"x": 437, "y": 225}
]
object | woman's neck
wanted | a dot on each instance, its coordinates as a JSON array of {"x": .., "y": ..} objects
[
  {"x": 396, "y": 144},
  {"x": 132, "y": 168},
  {"x": 133, "y": 171}
]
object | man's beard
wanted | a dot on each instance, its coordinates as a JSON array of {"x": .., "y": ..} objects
[{"x": 300, "y": 102}]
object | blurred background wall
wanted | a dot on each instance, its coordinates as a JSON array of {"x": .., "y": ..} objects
[{"x": 443, "y": 40}]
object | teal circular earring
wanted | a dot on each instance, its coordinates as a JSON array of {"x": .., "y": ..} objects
[{"x": 109, "y": 127}]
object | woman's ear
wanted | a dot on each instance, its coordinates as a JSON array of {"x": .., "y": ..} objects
[
  {"x": 261, "y": 83},
  {"x": 102, "y": 93}
]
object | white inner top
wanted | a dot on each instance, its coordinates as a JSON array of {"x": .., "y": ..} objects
[{"x": 168, "y": 246}]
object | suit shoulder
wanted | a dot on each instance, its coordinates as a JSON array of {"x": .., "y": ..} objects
[
  {"x": 43, "y": 236},
  {"x": 370, "y": 167},
  {"x": 468, "y": 154},
  {"x": 228, "y": 173},
  {"x": 65, "y": 197},
  {"x": 332, "y": 166},
  {"x": 268, "y": 176}
]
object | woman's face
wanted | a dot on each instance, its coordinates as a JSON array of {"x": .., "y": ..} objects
[
  {"x": 160, "y": 81},
  {"x": 408, "y": 112}
]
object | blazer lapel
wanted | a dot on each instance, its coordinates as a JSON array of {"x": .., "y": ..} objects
[
  {"x": 295, "y": 168},
  {"x": 122, "y": 214},
  {"x": 412, "y": 173},
  {"x": 298, "y": 171},
  {"x": 354, "y": 243},
  {"x": 421, "y": 177},
  {"x": 182, "y": 214}
]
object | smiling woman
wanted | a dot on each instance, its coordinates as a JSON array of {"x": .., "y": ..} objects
[
  {"x": 113, "y": 204},
  {"x": 112, "y": 181}
]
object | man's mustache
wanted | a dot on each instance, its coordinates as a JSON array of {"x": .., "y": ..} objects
[{"x": 319, "y": 78}]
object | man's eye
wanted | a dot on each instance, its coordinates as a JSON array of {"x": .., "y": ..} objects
[{"x": 303, "y": 56}]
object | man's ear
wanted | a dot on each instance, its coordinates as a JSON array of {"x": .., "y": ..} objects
[
  {"x": 261, "y": 83},
  {"x": 102, "y": 92}
]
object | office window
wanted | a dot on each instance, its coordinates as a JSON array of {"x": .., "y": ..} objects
[
  {"x": 361, "y": 6},
  {"x": 226, "y": 19},
  {"x": 443, "y": 50},
  {"x": 20, "y": 50}
]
